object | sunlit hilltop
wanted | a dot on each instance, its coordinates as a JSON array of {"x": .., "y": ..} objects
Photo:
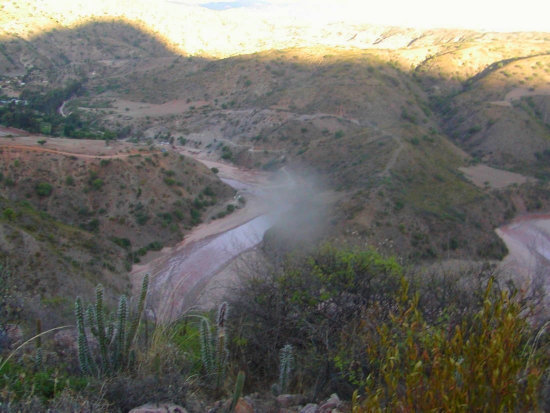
[{"x": 190, "y": 29}]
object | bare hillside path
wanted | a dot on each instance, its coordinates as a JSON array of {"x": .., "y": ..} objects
[
  {"x": 394, "y": 156},
  {"x": 521, "y": 92},
  {"x": 78, "y": 155},
  {"x": 61, "y": 109},
  {"x": 80, "y": 148}
]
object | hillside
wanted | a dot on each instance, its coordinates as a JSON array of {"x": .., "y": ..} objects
[
  {"x": 75, "y": 213},
  {"x": 389, "y": 122}
]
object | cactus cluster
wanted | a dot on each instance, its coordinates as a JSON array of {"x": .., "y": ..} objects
[
  {"x": 214, "y": 352},
  {"x": 115, "y": 335}
]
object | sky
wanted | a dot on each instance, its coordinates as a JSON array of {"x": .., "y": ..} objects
[{"x": 494, "y": 15}]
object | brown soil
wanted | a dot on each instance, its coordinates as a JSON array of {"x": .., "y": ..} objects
[
  {"x": 483, "y": 176},
  {"x": 142, "y": 109},
  {"x": 81, "y": 148},
  {"x": 520, "y": 92}
]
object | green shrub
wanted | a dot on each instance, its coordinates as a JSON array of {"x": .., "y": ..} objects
[
  {"x": 208, "y": 191},
  {"x": 227, "y": 154},
  {"x": 97, "y": 184},
  {"x": 43, "y": 189},
  {"x": 155, "y": 246},
  {"x": 177, "y": 214},
  {"x": 214, "y": 354},
  {"x": 166, "y": 217},
  {"x": 169, "y": 181},
  {"x": 8, "y": 214},
  {"x": 142, "y": 218},
  {"x": 122, "y": 242},
  {"x": 484, "y": 364},
  {"x": 195, "y": 216},
  {"x": 22, "y": 382},
  {"x": 309, "y": 300},
  {"x": 92, "y": 225}
]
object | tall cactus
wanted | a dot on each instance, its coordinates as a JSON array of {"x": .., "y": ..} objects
[
  {"x": 221, "y": 348},
  {"x": 84, "y": 357},
  {"x": 214, "y": 349},
  {"x": 286, "y": 364},
  {"x": 239, "y": 384},
  {"x": 99, "y": 315}
]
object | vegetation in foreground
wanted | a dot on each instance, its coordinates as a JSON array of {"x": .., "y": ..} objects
[{"x": 338, "y": 320}]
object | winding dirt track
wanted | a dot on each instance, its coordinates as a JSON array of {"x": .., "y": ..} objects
[
  {"x": 61, "y": 109},
  {"x": 78, "y": 155},
  {"x": 18, "y": 140}
]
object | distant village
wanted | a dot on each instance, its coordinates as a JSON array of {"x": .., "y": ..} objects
[
  {"x": 13, "y": 100},
  {"x": 10, "y": 88}
]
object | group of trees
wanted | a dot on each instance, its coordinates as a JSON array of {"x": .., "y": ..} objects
[{"x": 37, "y": 112}]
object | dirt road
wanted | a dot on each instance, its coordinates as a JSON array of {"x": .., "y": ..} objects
[
  {"x": 520, "y": 92},
  {"x": 78, "y": 155},
  {"x": 80, "y": 148}
]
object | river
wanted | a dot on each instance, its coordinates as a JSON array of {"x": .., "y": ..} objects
[
  {"x": 528, "y": 261},
  {"x": 181, "y": 273},
  {"x": 177, "y": 285}
]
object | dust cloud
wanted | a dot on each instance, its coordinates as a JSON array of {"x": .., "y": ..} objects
[{"x": 300, "y": 206}]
